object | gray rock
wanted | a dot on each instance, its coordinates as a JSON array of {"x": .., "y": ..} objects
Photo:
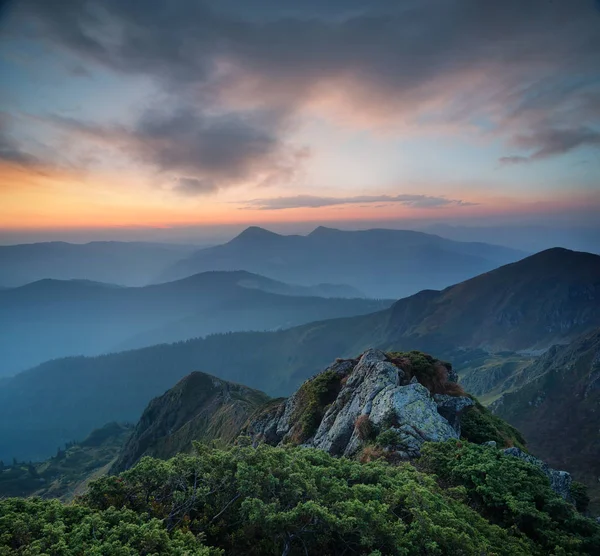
[
  {"x": 372, "y": 374},
  {"x": 263, "y": 428},
  {"x": 490, "y": 443},
  {"x": 560, "y": 481},
  {"x": 415, "y": 411},
  {"x": 451, "y": 407},
  {"x": 374, "y": 387}
]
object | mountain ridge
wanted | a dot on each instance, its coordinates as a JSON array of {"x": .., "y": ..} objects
[
  {"x": 407, "y": 260},
  {"x": 119, "y": 262},
  {"x": 199, "y": 407},
  {"x": 277, "y": 362},
  {"x": 51, "y": 318}
]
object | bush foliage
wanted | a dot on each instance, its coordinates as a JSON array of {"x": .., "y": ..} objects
[
  {"x": 513, "y": 494},
  {"x": 272, "y": 501},
  {"x": 314, "y": 396},
  {"x": 479, "y": 425},
  {"x": 430, "y": 372}
]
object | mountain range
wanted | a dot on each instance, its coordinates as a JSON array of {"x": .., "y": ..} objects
[
  {"x": 115, "y": 262},
  {"x": 382, "y": 263},
  {"x": 530, "y": 305},
  {"x": 56, "y": 318}
]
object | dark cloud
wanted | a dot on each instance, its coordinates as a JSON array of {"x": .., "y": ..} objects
[
  {"x": 513, "y": 160},
  {"x": 515, "y": 65},
  {"x": 210, "y": 151},
  {"x": 310, "y": 201},
  {"x": 228, "y": 147},
  {"x": 552, "y": 142},
  {"x": 10, "y": 149},
  {"x": 193, "y": 186}
]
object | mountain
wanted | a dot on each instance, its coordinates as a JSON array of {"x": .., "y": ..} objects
[
  {"x": 550, "y": 297},
  {"x": 556, "y": 404},
  {"x": 198, "y": 407},
  {"x": 66, "y": 474},
  {"x": 547, "y": 298},
  {"x": 382, "y": 263},
  {"x": 528, "y": 237},
  {"x": 426, "y": 471},
  {"x": 124, "y": 263},
  {"x": 54, "y": 318}
]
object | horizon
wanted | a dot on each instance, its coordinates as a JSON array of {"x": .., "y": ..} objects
[
  {"x": 202, "y": 125},
  {"x": 526, "y": 238}
]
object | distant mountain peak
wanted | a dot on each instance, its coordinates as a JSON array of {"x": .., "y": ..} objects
[
  {"x": 255, "y": 233},
  {"x": 323, "y": 230}
]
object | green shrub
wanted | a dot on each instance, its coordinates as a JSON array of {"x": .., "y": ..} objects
[
  {"x": 514, "y": 494},
  {"x": 479, "y": 425},
  {"x": 267, "y": 500},
  {"x": 296, "y": 501},
  {"x": 313, "y": 398},
  {"x": 580, "y": 496},
  {"x": 388, "y": 438},
  {"x": 35, "y": 526}
]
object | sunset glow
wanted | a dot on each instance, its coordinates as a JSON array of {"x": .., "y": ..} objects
[{"x": 195, "y": 125}]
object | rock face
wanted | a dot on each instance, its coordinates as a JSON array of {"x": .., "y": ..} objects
[
  {"x": 560, "y": 481},
  {"x": 352, "y": 401}
]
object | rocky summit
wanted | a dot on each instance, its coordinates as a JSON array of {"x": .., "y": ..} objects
[{"x": 403, "y": 400}]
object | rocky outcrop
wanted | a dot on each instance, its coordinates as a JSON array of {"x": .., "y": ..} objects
[
  {"x": 354, "y": 402},
  {"x": 560, "y": 481}
]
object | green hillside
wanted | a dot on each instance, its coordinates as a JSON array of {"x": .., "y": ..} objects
[
  {"x": 556, "y": 406},
  {"x": 198, "y": 407},
  {"x": 66, "y": 473}
]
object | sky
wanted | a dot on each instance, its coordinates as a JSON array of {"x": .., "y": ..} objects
[{"x": 188, "y": 114}]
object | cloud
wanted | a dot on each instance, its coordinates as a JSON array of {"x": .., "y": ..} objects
[
  {"x": 513, "y": 160},
  {"x": 210, "y": 151},
  {"x": 10, "y": 149},
  {"x": 552, "y": 142},
  {"x": 194, "y": 186},
  {"x": 420, "y": 62},
  {"x": 310, "y": 201}
]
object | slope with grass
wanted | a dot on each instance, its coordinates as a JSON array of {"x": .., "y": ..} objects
[
  {"x": 62, "y": 475},
  {"x": 198, "y": 407},
  {"x": 556, "y": 405},
  {"x": 463, "y": 499}
]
